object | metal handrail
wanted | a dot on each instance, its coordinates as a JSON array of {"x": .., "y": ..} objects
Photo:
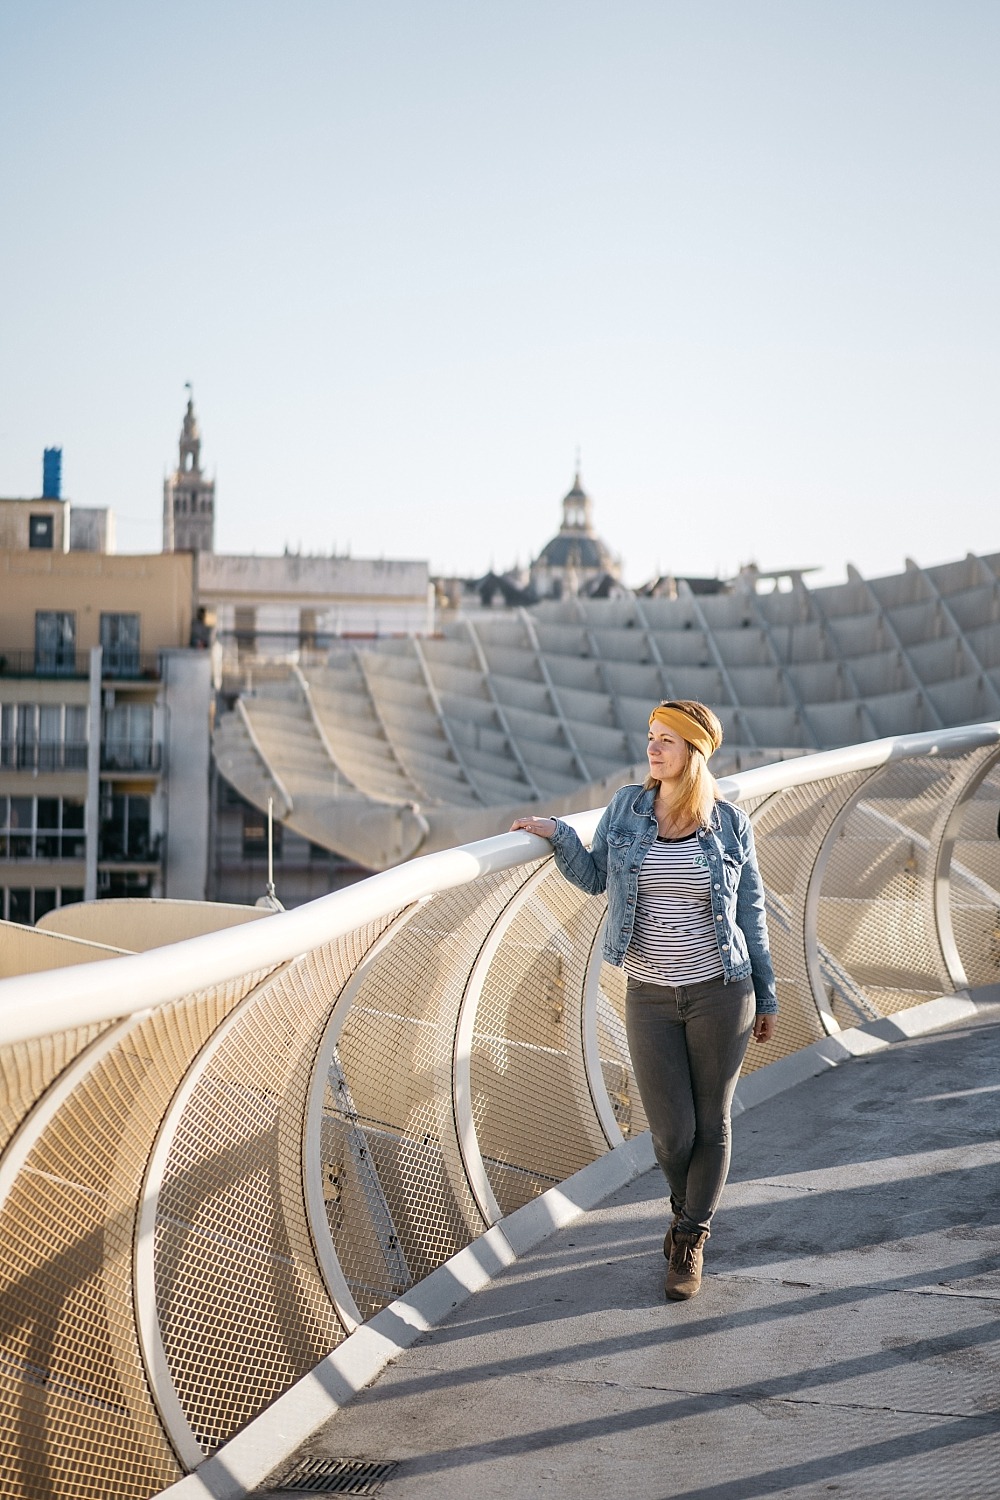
[{"x": 41, "y": 1004}]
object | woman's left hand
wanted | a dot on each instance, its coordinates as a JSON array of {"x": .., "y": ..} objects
[{"x": 764, "y": 1028}]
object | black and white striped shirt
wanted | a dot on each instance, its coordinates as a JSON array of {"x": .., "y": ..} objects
[{"x": 673, "y": 940}]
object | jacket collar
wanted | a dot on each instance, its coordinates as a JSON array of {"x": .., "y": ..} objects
[{"x": 642, "y": 802}]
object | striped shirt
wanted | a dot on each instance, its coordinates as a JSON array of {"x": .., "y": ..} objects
[{"x": 673, "y": 940}]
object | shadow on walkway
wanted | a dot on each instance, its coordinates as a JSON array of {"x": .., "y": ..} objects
[{"x": 845, "y": 1342}]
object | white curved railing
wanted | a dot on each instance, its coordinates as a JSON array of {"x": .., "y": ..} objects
[{"x": 218, "y": 1158}]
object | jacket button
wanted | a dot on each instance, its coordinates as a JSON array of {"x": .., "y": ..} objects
[
  {"x": 724, "y": 947},
  {"x": 717, "y": 886},
  {"x": 718, "y": 919}
]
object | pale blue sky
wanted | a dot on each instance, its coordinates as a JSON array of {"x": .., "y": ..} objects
[{"x": 412, "y": 252}]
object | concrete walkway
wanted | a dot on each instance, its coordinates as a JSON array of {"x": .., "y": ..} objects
[{"x": 845, "y": 1342}]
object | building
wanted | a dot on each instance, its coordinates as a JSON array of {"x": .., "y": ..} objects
[
  {"x": 576, "y": 560},
  {"x": 188, "y": 497},
  {"x": 50, "y": 523},
  {"x": 290, "y": 606},
  {"x": 284, "y": 606},
  {"x": 104, "y": 727}
]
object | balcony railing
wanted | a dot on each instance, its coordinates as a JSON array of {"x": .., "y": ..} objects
[
  {"x": 47, "y": 755},
  {"x": 44, "y": 663},
  {"x": 42, "y": 844},
  {"x": 116, "y": 665},
  {"x": 127, "y": 755},
  {"x": 129, "y": 666},
  {"x": 226, "y": 1154},
  {"x": 138, "y": 849}
]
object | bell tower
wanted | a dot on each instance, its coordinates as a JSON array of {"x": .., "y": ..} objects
[{"x": 188, "y": 497}]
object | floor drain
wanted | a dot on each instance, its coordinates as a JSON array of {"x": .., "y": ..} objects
[{"x": 335, "y": 1476}]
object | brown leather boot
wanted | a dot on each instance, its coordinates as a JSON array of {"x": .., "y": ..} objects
[
  {"x": 684, "y": 1272},
  {"x": 676, "y": 1213}
]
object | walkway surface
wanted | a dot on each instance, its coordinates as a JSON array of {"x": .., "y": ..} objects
[{"x": 845, "y": 1342}]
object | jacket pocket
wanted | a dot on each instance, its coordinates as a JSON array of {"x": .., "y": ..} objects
[{"x": 619, "y": 845}]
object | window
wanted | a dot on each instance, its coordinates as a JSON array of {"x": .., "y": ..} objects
[
  {"x": 43, "y": 737},
  {"x": 125, "y": 832},
  {"x": 120, "y": 643},
  {"x": 128, "y": 738},
  {"x": 20, "y": 824},
  {"x": 75, "y": 737},
  {"x": 41, "y": 532},
  {"x": 55, "y": 643},
  {"x": 19, "y": 905},
  {"x": 112, "y": 884},
  {"x": 45, "y": 900},
  {"x": 27, "y": 905},
  {"x": 42, "y": 828}
]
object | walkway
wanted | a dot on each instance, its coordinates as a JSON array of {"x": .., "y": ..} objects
[{"x": 844, "y": 1344}]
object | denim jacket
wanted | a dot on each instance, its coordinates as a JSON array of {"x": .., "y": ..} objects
[{"x": 623, "y": 836}]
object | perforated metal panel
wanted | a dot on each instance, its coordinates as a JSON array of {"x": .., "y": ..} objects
[
  {"x": 400, "y": 1200},
  {"x": 532, "y": 1109},
  {"x": 76, "y": 1413},
  {"x": 242, "y": 1308},
  {"x": 616, "y": 1064},
  {"x": 876, "y": 911},
  {"x": 975, "y": 882},
  {"x": 791, "y": 830},
  {"x": 28, "y": 1068}
]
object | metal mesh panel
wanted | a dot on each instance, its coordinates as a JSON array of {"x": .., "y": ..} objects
[
  {"x": 531, "y": 1103},
  {"x": 242, "y": 1308},
  {"x": 28, "y": 1068},
  {"x": 876, "y": 913},
  {"x": 616, "y": 1064},
  {"x": 401, "y": 1201},
  {"x": 789, "y": 831},
  {"x": 975, "y": 883},
  {"x": 76, "y": 1416}
]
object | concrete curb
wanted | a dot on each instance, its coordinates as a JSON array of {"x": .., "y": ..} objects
[{"x": 245, "y": 1462}]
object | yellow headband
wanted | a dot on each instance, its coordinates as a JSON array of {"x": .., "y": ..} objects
[{"x": 688, "y": 728}]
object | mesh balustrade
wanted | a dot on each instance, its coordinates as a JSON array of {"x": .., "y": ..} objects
[{"x": 201, "y": 1199}]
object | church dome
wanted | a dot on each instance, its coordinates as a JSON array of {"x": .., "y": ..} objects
[
  {"x": 569, "y": 549},
  {"x": 576, "y": 548}
]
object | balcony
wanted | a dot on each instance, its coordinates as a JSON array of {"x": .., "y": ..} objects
[
  {"x": 129, "y": 666},
  {"x": 124, "y": 755},
  {"x": 139, "y": 850},
  {"x": 116, "y": 665},
  {"x": 54, "y": 755},
  {"x": 71, "y": 664},
  {"x": 43, "y": 844}
]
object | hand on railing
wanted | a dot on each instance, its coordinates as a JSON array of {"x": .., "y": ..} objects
[{"x": 542, "y": 828}]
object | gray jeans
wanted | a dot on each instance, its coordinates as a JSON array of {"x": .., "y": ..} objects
[{"x": 687, "y": 1045}]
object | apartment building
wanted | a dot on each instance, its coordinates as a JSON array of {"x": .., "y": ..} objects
[{"x": 104, "y": 723}]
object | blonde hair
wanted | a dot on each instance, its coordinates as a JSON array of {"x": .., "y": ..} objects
[{"x": 697, "y": 790}]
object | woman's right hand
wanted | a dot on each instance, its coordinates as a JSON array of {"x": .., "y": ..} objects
[{"x": 543, "y": 828}]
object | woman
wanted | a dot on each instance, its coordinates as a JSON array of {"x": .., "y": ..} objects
[{"x": 686, "y": 922}]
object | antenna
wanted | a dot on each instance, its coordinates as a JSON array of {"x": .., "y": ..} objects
[
  {"x": 270, "y": 848},
  {"x": 270, "y": 898}
]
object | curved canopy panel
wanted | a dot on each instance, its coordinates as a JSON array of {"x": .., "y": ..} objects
[{"x": 406, "y": 746}]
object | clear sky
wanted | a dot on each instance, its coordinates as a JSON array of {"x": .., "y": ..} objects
[{"x": 411, "y": 253}]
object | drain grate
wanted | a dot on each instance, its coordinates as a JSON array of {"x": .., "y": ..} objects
[{"x": 335, "y": 1476}]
